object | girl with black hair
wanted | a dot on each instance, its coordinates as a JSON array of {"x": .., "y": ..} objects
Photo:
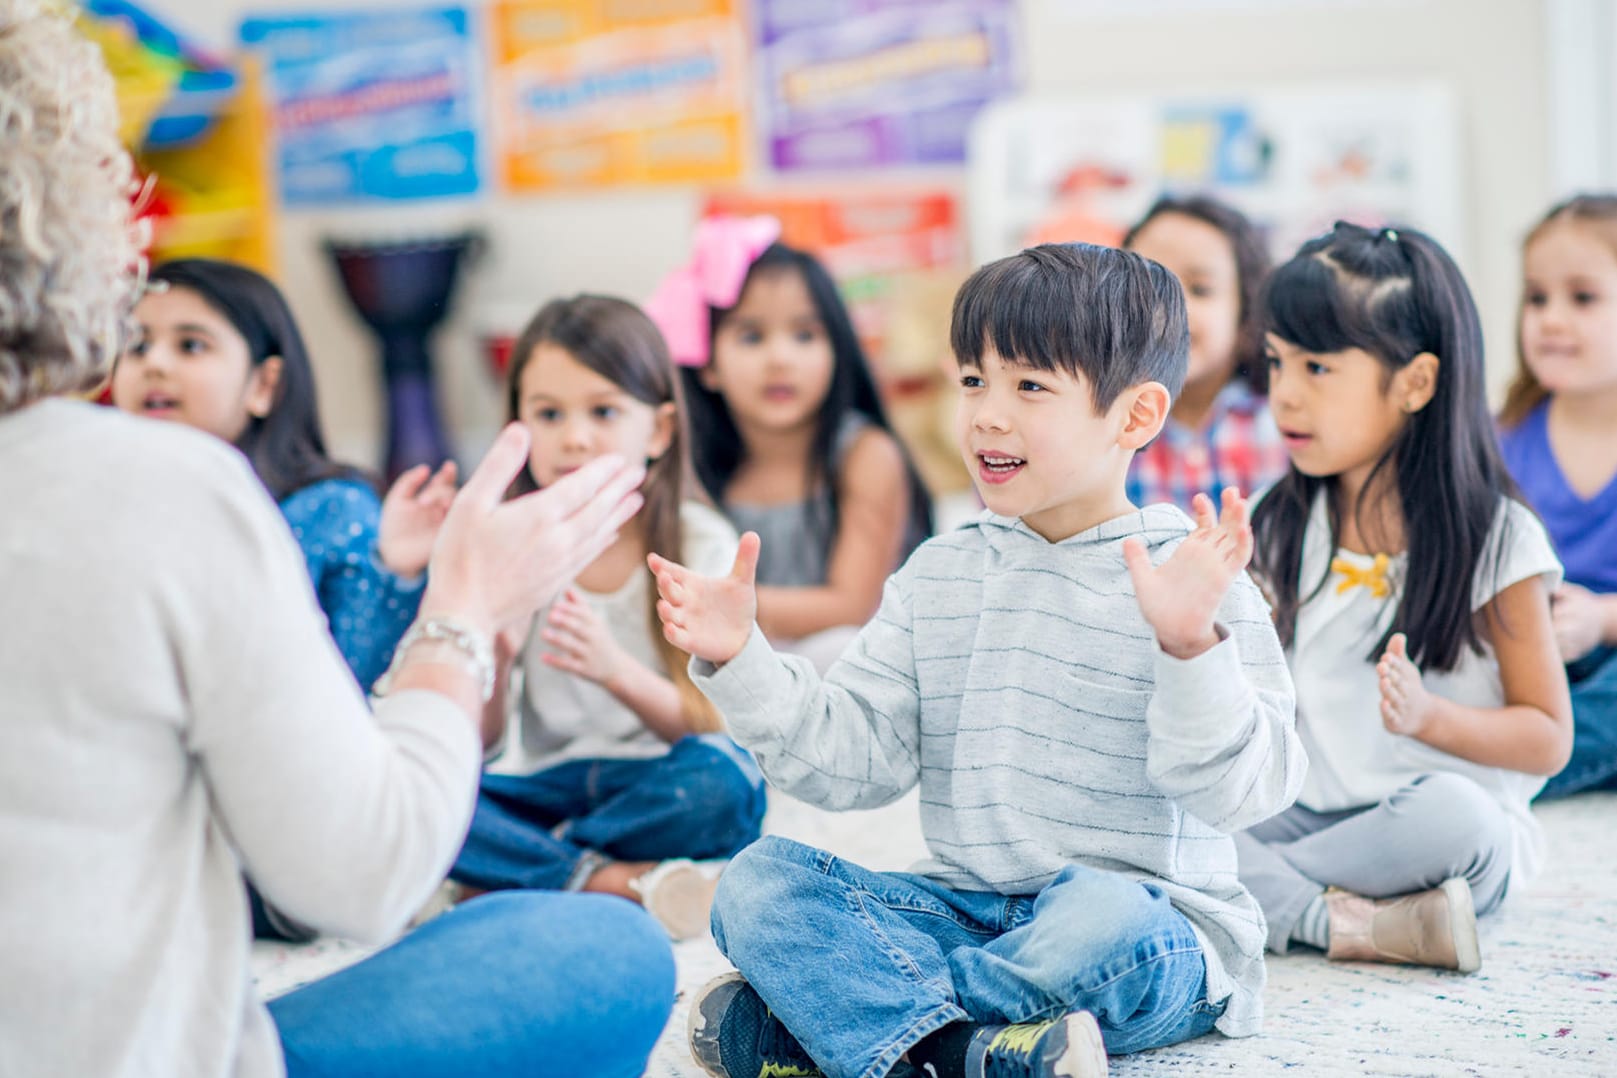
[
  {"x": 1220, "y": 432},
  {"x": 1412, "y": 592},
  {"x": 217, "y": 348},
  {"x": 788, "y": 434}
]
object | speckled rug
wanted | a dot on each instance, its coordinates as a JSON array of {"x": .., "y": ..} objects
[{"x": 1544, "y": 1003}]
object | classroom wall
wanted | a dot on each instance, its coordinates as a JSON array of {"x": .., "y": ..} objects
[{"x": 1492, "y": 53}]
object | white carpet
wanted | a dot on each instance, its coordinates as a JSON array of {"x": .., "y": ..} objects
[{"x": 1544, "y": 1003}]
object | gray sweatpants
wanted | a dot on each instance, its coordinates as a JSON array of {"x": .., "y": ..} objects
[{"x": 1440, "y": 825}]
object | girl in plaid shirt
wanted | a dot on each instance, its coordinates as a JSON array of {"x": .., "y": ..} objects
[{"x": 1220, "y": 433}]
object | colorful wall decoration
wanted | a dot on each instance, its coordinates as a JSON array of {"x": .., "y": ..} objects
[
  {"x": 376, "y": 105},
  {"x": 595, "y": 93},
  {"x": 862, "y": 83}
]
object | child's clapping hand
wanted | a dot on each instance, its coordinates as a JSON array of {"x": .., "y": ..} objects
[
  {"x": 580, "y": 643},
  {"x": 1180, "y": 597},
  {"x": 709, "y": 617},
  {"x": 1406, "y": 706},
  {"x": 412, "y": 513}
]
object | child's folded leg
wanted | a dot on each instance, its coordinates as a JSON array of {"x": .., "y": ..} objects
[
  {"x": 853, "y": 962},
  {"x": 1440, "y": 827},
  {"x": 1093, "y": 941}
]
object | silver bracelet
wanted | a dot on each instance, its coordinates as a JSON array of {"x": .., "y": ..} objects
[{"x": 474, "y": 645}]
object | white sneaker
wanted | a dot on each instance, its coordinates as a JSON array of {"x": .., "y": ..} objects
[{"x": 679, "y": 894}]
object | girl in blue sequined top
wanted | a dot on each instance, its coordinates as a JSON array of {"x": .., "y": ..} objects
[{"x": 217, "y": 348}]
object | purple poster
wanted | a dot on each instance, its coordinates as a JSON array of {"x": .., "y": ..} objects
[{"x": 857, "y": 83}]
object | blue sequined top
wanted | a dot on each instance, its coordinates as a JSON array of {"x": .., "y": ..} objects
[{"x": 367, "y": 607}]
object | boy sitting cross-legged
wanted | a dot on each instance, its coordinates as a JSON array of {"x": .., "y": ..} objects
[{"x": 1091, "y": 696}]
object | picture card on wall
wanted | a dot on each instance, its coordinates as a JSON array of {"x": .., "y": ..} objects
[
  {"x": 851, "y": 84},
  {"x": 372, "y": 105},
  {"x": 598, "y": 93}
]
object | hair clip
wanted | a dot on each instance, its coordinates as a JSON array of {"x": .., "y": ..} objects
[
  {"x": 722, "y": 254},
  {"x": 1390, "y": 234}
]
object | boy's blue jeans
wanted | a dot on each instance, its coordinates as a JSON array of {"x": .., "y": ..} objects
[
  {"x": 861, "y": 965},
  {"x": 513, "y": 984},
  {"x": 548, "y": 831},
  {"x": 1594, "y": 727}
]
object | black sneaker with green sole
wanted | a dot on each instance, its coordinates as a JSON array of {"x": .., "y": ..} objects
[
  {"x": 1065, "y": 1047},
  {"x": 733, "y": 1034}
]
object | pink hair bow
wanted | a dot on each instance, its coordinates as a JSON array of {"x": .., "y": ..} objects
[{"x": 725, "y": 249}]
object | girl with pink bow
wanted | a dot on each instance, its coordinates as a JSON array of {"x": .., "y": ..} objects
[{"x": 788, "y": 433}]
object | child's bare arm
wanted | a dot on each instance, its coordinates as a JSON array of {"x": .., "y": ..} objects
[
  {"x": 1532, "y": 732},
  {"x": 874, "y": 506}
]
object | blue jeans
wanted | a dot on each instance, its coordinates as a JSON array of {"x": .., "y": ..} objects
[
  {"x": 1594, "y": 726},
  {"x": 548, "y": 831},
  {"x": 861, "y": 965},
  {"x": 513, "y": 984}
]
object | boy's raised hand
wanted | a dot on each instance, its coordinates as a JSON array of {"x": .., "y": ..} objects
[
  {"x": 705, "y": 616},
  {"x": 1180, "y": 597}
]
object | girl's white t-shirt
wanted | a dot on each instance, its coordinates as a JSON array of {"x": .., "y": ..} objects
[
  {"x": 560, "y": 716},
  {"x": 1353, "y": 761}
]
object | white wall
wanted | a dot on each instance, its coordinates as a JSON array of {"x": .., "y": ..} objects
[{"x": 1493, "y": 52}]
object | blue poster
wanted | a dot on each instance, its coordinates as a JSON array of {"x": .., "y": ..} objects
[{"x": 371, "y": 106}]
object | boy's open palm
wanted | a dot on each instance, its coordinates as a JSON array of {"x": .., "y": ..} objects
[
  {"x": 1180, "y": 597},
  {"x": 709, "y": 617}
]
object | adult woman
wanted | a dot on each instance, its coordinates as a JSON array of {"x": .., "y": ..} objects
[{"x": 174, "y": 709}]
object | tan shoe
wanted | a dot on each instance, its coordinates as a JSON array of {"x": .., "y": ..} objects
[
  {"x": 1429, "y": 928},
  {"x": 679, "y": 894}
]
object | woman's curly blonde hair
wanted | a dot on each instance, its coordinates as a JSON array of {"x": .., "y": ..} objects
[{"x": 70, "y": 253}]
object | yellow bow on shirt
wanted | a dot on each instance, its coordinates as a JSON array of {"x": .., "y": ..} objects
[{"x": 1374, "y": 578}]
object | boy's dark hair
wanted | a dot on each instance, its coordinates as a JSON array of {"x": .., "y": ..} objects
[
  {"x": 1111, "y": 316},
  {"x": 1394, "y": 294},
  {"x": 1252, "y": 266},
  {"x": 716, "y": 447},
  {"x": 285, "y": 447}
]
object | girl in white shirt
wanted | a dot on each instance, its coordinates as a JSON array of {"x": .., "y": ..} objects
[
  {"x": 1411, "y": 590},
  {"x": 613, "y": 775}
]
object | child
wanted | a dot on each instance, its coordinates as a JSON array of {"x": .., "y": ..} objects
[
  {"x": 1559, "y": 445},
  {"x": 788, "y": 433},
  {"x": 1090, "y": 696},
  {"x": 1220, "y": 432},
  {"x": 614, "y": 773},
  {"x": 217, "y": 348},
  {"x": 1412, "y": 593}
]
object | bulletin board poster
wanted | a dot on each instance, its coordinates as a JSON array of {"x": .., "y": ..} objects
[
  {"x": 1294, "y": 159},
  {"x": 855, "y": 84},
  {"x": 601, "y": 93},
  {"x": 371, "y": 106}
]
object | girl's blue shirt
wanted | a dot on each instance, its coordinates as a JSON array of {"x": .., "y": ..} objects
[{"x": 367, "y": 606}]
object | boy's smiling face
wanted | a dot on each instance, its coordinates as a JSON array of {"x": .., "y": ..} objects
[{"x": 1037, "y": 448}]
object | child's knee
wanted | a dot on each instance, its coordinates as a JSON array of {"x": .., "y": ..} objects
[
  {"x": 755, "y": 885},
  {"x": 1458, "y": 813},
  {"x": 1087, "y": 914}
]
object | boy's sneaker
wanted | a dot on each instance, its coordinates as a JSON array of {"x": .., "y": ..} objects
[
  {"x": 1065, "y": 1047},
  {"x": 679, "y": 894},
  {"x": 733, "y": 1034},
  {"x": 1429, "y": 928}
]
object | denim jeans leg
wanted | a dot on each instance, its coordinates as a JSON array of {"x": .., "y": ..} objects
[
  {"x": 853, "y": 962},
  {"x": 511, "y": 842},
  {"x": 515, "y": 984},
  {"x": 1594, "y": 727},
  {"x": 1098, "y": 942},
  {"x": 704, "y": 798}
]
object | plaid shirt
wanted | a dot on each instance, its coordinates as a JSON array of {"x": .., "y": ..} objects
[{"x": 1238, "y": 447}]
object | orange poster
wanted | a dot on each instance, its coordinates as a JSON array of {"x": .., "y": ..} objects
[{"x": 592, "y": 93}]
